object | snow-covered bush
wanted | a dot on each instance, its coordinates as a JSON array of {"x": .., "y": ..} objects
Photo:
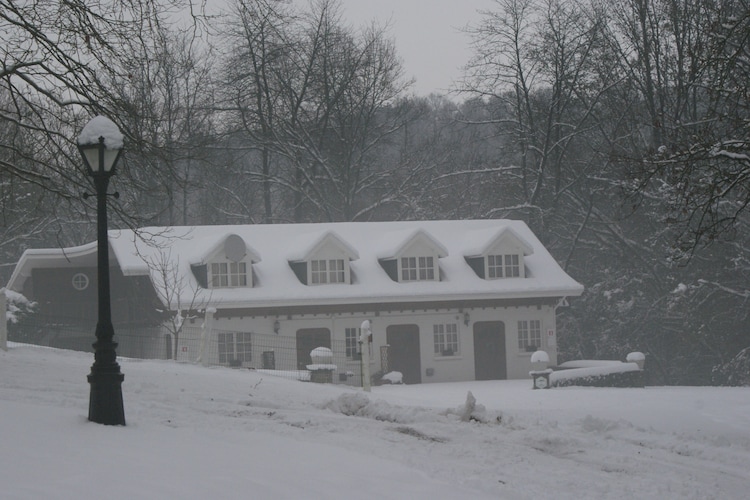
[
  {"x": 18, "y": 306},
  {"x": 393, "y": 378},
  {"x": 470, "y": 411}
]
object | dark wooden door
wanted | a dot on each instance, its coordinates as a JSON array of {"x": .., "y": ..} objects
[
  {"x": 307, "y": 340},
  {"x": 489, "y": 351},
  {"x": 403, "y": 353}
]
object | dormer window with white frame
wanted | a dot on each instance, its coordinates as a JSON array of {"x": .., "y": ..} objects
[
  {"x": 228, "y": 274},
  {"x": 414, "y": 258},
  {"x": 322, "y": 259},
  {"x": 417, "y": 269},
  {"x": 327, "y": 271},
  {"x": 228, "y": 265},
  {"x": 503, "y": 266},
  {"x": 499, "y": 255}
]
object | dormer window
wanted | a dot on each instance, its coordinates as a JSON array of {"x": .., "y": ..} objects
[
  {"x": 503, "y": 266},
  {"x": 498, "y": 254},
  {"x": 322, "y": 259},
  {"x": 327, "y": 271},
  {"x": 228, "y": 274},
  {"x": 414, "y": 257},
  {"x": 417, "y": 269},
  {"x": 229, "y": 264}
]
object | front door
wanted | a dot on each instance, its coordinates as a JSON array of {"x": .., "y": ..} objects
[
  {"x": 307, "y": 340},
  {"x": 489, "y": 350},
  {"x": 403, "y": 353}
]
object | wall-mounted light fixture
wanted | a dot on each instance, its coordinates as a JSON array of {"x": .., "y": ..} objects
[
  {"x": 276, "y": 327},
  {"x": 467, "y": 318}
]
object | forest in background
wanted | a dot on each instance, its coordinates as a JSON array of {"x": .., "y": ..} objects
[{"x": 619, "y": 131}]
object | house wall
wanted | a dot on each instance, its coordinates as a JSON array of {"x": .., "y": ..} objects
[
  {"x": 432, "y": 367},
  {"x": 133, "y": 300}
]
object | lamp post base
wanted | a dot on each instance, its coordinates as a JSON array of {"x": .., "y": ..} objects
[{"x": 105, "y": 400}]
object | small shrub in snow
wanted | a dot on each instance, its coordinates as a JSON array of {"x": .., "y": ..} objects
[
  {"x": 356, "y": 404},
  {"x": 393, "y": 378},
  {"x": 18, "y": 306},
  {"x": 349, "y": 404},
  {"x": 470, "y": 411}
]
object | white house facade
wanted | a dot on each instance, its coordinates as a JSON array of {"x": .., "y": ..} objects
[{"x": 447, "y": 300}]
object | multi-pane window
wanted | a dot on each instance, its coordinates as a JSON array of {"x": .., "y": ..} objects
[
  {"x": 417, "y": 268},
  {"x": 503, "y": 266},
  {"x": 446, "y": 339},
  {"x": 336, "y": 273},
  {"x": 234, "y": 347},
  {"x": 352, "y": 342},
  {"x": 327, "y": 271},
  {"x": 512, "y": 268},
  {"x": 529, "y": 335},
  {"x": 228, "y": 274}
]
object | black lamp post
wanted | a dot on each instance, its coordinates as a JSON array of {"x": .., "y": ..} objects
[{"x": 100, "y": 144}]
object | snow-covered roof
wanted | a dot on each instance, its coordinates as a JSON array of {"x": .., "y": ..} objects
[
  {"x": 305, "y": 246},
  {"x": 481, "y": 241},
  {"x": 275, "y": 245},
  {"x": 400, "y": 239},
  {"x": 223, "y": 244},
  {"x": 80, "y": 256}
]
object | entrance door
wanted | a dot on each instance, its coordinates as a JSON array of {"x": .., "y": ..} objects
[
  {"x": 403, "y": 353},
  {"x": 489, "y": 350},
  {"x": 307, "y": 340}
]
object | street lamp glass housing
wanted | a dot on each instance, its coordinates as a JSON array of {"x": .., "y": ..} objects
[
  {"x": 100, "y": 144},
  {"x": 99, "y": 159}
]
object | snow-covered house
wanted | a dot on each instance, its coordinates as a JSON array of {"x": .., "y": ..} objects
[{"x": 447, "y": 300}]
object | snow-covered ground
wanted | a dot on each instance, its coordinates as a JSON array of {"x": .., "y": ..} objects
[{"x": 198, "y": 433}]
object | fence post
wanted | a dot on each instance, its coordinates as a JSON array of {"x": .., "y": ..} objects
[
  {"x": 365, "y": 339},
  {"x": 3, "y": 322},
  {"x": 208, "y": 324}
]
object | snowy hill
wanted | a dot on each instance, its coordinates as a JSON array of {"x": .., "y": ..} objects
[{"x": 196, "y": 433}]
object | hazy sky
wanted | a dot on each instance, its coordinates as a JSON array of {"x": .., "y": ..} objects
[{"x": 427, "y": 34}]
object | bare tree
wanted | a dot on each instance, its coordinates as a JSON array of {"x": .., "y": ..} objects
[
  {"x": 61, "y": 64},
  {"x": 181, "y": 300},
  {"x": 312, "y": 93},
  {"x": 688, "y": 65}
]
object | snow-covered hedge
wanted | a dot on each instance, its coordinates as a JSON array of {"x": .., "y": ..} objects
[{"x": 596, "y": 373}]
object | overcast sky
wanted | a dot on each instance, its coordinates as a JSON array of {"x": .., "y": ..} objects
[{"x": 427, "y": 34}]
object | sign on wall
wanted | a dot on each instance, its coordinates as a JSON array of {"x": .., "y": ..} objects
[{"x": 551, "y": 341}]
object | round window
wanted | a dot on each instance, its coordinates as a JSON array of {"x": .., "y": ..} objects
[{"x": 80, "y": 281}]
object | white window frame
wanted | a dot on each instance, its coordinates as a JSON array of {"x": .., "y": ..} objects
[
  {"x": 229, "y": 274},
  {"x": 417, "y": 268},
  {"x": 446, "y": 339},
  {"x": 323, "y": 271},
  {"x": 234, "y": 346},
  {"x": 512, "y": 265},
  {"x": 351, "y": 336},
  {"x": 503, "y": 266},
  {"x": 529, "y": 335}
]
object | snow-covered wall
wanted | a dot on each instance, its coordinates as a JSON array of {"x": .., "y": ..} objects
[{"x": 280, "y": 334}]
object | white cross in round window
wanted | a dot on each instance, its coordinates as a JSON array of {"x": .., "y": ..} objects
[{"x": 80, "y": 281}]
